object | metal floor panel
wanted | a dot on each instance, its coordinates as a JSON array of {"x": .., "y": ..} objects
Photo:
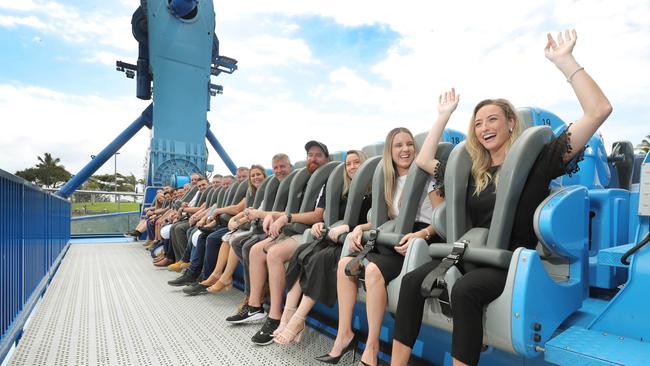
[{"x": 107, "y": 305}]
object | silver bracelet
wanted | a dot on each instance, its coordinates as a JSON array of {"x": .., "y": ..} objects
[{"x": 568, "y": 80}]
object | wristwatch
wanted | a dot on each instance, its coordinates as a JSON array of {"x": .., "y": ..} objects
[{"x": 289, "y": 217}]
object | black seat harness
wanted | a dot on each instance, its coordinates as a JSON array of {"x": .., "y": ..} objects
[
  {"x": 310, "y": 248},
  {"x": 434, "y": 283},
  {"x": 355, "y": 267}
]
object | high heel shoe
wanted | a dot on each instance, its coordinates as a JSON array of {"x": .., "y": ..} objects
[
  {"x": 219, "y": 286},
  {"x": 284, "y": 320},
  {"x": 333, "y": 360},
  {"x": 211, "y": 280},
  {"x": 292, "y": 332}
]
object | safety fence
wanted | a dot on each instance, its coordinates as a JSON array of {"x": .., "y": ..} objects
[{"x": 34, "y": 233}]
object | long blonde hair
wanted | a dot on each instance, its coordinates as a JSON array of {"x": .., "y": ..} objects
[
  {"x": 481, "y": 160},
  {"x": 251, "y": 187},
  {"x": 390, "y": 170},
  {"x": 347, "y": 180}
]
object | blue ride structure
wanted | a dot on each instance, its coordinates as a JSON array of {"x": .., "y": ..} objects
[{"x": 178, "y": 54}]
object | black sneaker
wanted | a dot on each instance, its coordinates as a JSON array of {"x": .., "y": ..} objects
[
  {"x": 265, "y": 335},
  {"x": 195, "y": 289},
  {"x": 187, "y": 278},
  {"x": 246, "y": 315}
]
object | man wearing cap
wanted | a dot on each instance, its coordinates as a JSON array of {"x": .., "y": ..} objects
[{"x": 274, "y": 252}]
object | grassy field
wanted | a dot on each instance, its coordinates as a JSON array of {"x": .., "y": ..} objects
[{"x": 102, "y": 207}]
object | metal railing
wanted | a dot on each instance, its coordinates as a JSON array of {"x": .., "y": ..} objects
[
  {"x": 86, "y": 202},
  {"x": 104, "y": 225},
  {"x": 34, "y": 233}
]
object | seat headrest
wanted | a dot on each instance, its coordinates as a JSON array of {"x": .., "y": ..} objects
[{"x": 512, "y": 177}]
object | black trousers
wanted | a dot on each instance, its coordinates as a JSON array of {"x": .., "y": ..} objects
[{"x": 471, "y": 293}]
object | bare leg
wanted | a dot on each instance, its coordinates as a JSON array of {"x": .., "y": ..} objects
[
  {"x": 459, "y": 363},
  {"x": 277, "y": 256},
  {"x": 346, "y": 289},
  {"x": 222, "y": 257},
  {"x": 293, "y": 297},
  {"x": 400, "y": 354},
  {"x": 231, "y": 265},
  {"x": 258, "y": 272},
  {"x": 376, "y": 299}
]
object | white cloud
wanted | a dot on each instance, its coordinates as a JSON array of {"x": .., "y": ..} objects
[
  {"x": 71, "y": 127},
  {"x": 92, "y": 28},
  {"x": 266, "y": 50},
  {"x": 30, "y": 21},
  {"x": 106, "y": 58},
  {"x": 484, "y": 49}
]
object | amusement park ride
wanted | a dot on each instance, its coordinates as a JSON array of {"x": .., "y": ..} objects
[{"x": 581, "y": 299}]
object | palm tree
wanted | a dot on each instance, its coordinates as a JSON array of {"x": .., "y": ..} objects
[
  {"x": 644, "y": 146},
  {"x": 50, "y": 172}
]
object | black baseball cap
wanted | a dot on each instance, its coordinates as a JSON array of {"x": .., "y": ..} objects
[{"x": 320, "y": 145}]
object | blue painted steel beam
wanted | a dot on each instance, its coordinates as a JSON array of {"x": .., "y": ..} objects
[
  {"x": 145, "y": 119},
  {"x": 220, "y": 150}
]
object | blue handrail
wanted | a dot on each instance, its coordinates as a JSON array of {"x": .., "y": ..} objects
[{"x": 34, "y": 234}]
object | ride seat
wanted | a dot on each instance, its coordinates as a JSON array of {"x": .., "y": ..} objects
[
  {"x": 375, "y": 149},
  {"x": 256, "y": 200},
  {"x": 622, "y": 165},
  {"x": 307, "y": 200},
  {"x": 282, "y": 192},
  {"x": 334, "y": 189},
  {"x": 391, "y": 231},
  {"x": 532, "y": 304}
]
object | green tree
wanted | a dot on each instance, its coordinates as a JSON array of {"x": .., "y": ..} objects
[
  {"x": 644, "y": 146},
  {"x": 48, "y": 172}
]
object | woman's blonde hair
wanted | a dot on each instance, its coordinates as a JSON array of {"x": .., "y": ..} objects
[
  {"x": 251, "y": 187},
  {"x": 347, "y": 180},
  {"x": 390, "y": 170},
  {"x": 481, "y": 160}
]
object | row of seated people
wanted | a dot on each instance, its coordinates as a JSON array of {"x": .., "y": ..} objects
[{"x": 336, "y": 253}]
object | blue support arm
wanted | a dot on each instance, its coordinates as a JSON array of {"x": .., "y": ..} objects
[
  {"x": 145, "y": 119},
  {"x": 220, "y": 150}
]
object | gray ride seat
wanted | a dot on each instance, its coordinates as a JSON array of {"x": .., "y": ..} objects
[
  {"x": 541, "y": 290},
  {"x": 209, "y": 201},
  {"x": 187, "y": 196},
  {"x": 333, "y": 192},
  {"x": 375, "y": 149},
  {"x": 312, "y": 186},
  {"x": 280, "y": 194},
  {"x": 254, "y": 201},
  {"x": 221, "y": 196},
  {"x": 392, "y": 231},
  {"x": 238, "y": 195},
  {"x": 230, "y": 193},
  {"x": 202, "y": 197},
  {"x": 300, "y": 164}
]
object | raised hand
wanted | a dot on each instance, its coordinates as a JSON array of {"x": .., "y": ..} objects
[
  {"x": 447, "y": 102},
  {"x": 563, "y": 48}
]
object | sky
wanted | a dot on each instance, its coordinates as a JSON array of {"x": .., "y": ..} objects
[{"x": 342, "y": 72}]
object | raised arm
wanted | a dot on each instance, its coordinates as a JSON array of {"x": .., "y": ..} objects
[
  {"x": 426, "y": 159},
  {"x": 595, "y": 106}
]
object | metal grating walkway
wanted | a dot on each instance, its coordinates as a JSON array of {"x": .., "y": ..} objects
[{"x": 107, "y": 305}]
